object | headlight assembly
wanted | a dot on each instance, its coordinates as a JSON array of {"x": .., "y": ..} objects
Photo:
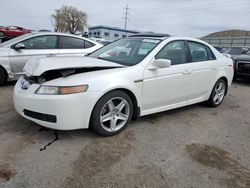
[{"x": 61, "y": 90}]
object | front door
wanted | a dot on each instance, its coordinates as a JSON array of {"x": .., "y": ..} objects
[
  {"x": 36, "y": 47},
  {"x": 167, "y": 88}
]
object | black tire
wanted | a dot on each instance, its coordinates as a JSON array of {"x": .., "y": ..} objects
[
  {"x": 95, "y": 122},
  {"x": 3, "y": 76},
  {"x": 211, "y": 102}
]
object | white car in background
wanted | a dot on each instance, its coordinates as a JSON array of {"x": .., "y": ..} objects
[
  {"x": 16, "y": 52},
  {"x": 153, "y": 73},
  {"x": 102, "y": 41}
]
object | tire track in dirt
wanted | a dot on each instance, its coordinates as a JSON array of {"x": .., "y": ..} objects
[{"x": 211, "y": 156}]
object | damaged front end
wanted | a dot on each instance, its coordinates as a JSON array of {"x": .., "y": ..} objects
[
  {"x": 39, "y": 71},
  {"x": 54, "y": 74}
]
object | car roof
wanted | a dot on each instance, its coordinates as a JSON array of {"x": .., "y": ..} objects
[
  {"x": 53, "y": 33},
  {"x": 237, "y": 47},
  {"x": 150, "y": 35},
  {"x": 34, "y": 34},
  {"x": 162, "y": 37}
]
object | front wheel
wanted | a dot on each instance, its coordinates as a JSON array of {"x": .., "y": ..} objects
[
  {"x": 112, "y": 113},
  {"x": 218, "y": 94}
]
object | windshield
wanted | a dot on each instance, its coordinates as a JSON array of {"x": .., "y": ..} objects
[
  {"x": 233, "y": 51},
  {"x": 129, "y": 51},
  {"x": 14, "y": 40}
]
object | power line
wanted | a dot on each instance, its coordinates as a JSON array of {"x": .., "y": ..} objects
[{"x": 126, "y": 17}]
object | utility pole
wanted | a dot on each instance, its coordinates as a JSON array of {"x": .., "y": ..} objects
[{"x": 126, "y": 17}]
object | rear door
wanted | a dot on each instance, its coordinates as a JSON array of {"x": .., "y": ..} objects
[
  {"x": 74, "y": 46},
  {"x": 35, "y": 47},
  {"x": 204, "y": 70}
]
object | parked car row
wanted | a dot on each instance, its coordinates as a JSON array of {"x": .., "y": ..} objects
[
  {"x": 241, "y": 59},
  {"x": 16, "y": 52},
  {"x": 235, "y": 51},
  {"x": 126, "y": 79}
]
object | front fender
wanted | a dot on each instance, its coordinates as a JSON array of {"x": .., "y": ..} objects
[
  {"x": 5, "y": 62},
  {"x": 134, "y": 88}
]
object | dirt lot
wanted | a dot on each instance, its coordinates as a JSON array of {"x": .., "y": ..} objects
[{"x": 193, "y": 147}]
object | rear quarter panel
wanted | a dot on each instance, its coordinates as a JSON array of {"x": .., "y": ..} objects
[{"x": 225, "y": 69}]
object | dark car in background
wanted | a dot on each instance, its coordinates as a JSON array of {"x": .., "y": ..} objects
[
  {"x": 220, "y": 49},
  {"x": 236, "y": 51},
  {"x": 242, "y": 66},
  {"x": 12, "y": 32}
]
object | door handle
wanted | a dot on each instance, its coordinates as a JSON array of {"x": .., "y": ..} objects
[
  {"x": 51, "y": 55},
  {"x": 214, "y": 67},
  {"x": 187, "y": 72}
]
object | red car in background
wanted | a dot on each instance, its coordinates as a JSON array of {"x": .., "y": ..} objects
[{"x": 12, "y": 31}]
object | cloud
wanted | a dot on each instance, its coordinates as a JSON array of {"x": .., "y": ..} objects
[{"x": 183, "y": 17}]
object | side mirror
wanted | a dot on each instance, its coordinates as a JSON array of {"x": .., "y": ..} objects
[
  {"x": 19, "y": 46},
  {"x": 160, "y": 64}
]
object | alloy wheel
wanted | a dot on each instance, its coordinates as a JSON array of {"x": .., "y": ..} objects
[
  {"x": 219, "y": 93},
  {"x": 115, "y": 114}
]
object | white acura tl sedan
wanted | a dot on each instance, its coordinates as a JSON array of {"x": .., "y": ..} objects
[{"x": 132, "y": 77}]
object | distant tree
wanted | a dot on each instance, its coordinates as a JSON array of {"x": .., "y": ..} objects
[
  {"x": 69, "y": 19},
  {"x": 58, "y": 21}
]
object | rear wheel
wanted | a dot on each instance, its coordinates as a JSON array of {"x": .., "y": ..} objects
[
  {"x": 218, "y": 93},
  {"x": 112, "y": 113},
  {"x": 3, "y": 76}
]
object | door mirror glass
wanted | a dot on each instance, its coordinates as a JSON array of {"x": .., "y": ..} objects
[
  {"x": 160, "y": 64},
  {"x": 19, "y": 46}
]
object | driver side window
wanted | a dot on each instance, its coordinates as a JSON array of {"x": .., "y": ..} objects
[{"x": 174, "y": 51}]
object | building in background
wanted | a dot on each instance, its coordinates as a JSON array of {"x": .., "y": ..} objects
[
  {"x": 229, "y": 38},
  {"x": 109, "y": 33}
]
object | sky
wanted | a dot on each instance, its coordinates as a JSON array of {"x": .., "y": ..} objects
[{"x": 193, "y": 18}]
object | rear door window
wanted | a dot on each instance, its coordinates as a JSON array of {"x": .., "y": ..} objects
[
  {"x": 71, "y": 43},
  {"x": 200, "y": 52},
  {"x": 74, "y": 43}
]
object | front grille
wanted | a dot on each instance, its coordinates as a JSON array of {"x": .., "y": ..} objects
[
  {"x": 39, "y": 116},
  {"x": 244, "y": 67}
]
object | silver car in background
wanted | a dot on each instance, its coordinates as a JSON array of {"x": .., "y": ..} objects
[{"x": 16, "y": 52}]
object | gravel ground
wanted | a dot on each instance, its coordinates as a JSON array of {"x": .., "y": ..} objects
[{"x": 189, "y": 147}]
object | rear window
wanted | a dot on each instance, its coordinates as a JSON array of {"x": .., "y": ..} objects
[
  {"x": 88, "y": 44},
  {"x": 71, "y": 43}
]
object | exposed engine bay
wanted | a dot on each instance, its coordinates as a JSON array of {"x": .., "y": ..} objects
[{"x": 54, "y": 74}]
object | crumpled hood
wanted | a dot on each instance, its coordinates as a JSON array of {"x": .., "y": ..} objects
[{"x": 36, "y": 67}]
